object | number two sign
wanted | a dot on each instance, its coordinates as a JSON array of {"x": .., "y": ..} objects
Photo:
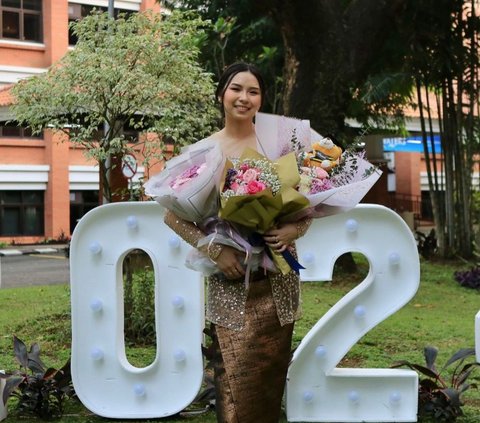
[{"x": 316, "y": 390}]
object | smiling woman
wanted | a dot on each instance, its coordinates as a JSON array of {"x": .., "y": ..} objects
[{"x": 252, "y": 322}]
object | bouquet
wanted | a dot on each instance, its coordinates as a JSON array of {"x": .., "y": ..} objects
[
  {"x": 331, "y": 180},
  {"x": 256, "y": 192},
  {"x": 188, "y": 186}
]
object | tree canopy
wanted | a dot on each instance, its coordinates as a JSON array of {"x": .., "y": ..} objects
[{"x": 140, "y": 70}]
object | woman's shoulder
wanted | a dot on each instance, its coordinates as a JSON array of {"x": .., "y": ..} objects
[{"x": 205, "y": 143}]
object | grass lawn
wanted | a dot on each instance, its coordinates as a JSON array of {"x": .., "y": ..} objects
[{"x": 441, "y": 314}]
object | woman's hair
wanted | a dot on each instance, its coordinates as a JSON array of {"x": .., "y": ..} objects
[{"x": 231, "y": 71}]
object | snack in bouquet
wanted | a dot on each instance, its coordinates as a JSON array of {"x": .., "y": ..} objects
[
  {"x": 188, "y": 186},
  {"x": 324, "y": 154},
  {"x": 338, "y": 188},
  {"x": 349, "y": 176}
]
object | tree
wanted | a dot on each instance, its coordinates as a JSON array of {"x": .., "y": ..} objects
[
  {"x": 140, "y": 70},
  {"x": 240, "y": 31},
  {"x": 444, "y": 61}
]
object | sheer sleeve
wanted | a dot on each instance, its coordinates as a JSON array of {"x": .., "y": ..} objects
[
  {"x": 191, "y": 233},
  {"x": 302, "y": 226}
]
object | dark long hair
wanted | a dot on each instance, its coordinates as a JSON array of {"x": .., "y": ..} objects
[{"x": 231, "y": 71}]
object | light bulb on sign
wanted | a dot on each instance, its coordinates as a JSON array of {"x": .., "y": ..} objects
[
  {"x": 320, "y": 351},
  {"x": 95, "y": 247},
  {"x": 308, "y": 396},
  {"x": 359, "y": 312},
  {"x": 96, "y": 354},
  {"x": 351, "y": 225},
  {"x": 139, "y": 389},
  {"x": 132, "y": 222},
  {"x": 174, "y": 242},
  {"x": 179, "y": 356},
  {"x": 394, "y": 259},
  {"x": 353, "y": 396},
  {"x": 96, "y": 305},
  {"x": 395, "y": 398},
  {"x": 178, "y": 302}
]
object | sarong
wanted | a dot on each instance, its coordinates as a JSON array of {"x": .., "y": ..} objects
[{"x": 251, "y": 364}]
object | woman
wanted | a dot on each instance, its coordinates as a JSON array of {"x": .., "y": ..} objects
[{"x": 251, "y": 328}]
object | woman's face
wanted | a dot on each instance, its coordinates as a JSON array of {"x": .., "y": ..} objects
[{"x": 242, "y": 97}]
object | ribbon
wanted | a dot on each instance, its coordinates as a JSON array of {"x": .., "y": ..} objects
[
  {"x": 215, "y": 226},
  {"x": 257, "y": 240}
]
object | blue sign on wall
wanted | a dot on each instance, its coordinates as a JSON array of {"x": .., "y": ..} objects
[{"x": 410, "y": 144}]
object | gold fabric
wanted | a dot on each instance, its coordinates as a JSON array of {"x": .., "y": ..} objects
[
  {"x": 226, "y": 298},
  {"x": 251, "y": 369}
]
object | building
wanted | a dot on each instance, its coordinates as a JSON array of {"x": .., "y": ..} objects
[{"x": 46, "y": 184}]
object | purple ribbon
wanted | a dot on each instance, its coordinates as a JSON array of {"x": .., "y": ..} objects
[{"x": 218, "y": 226}]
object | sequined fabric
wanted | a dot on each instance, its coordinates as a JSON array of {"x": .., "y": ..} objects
[
  {"x": 226, "y": 298},
  {"x": 251, "y": 369}
]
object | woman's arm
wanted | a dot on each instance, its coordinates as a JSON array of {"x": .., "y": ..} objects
[{"x": 227, "y": 259}]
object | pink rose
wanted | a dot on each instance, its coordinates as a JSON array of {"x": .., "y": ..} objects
[
  {"x": 235, "y": 186},
  {"x": 250, "y": 175},
  {"x": 255, "y": 186},
  {"x": 241, "y": 190}
]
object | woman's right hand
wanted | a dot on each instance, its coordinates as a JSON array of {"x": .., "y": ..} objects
[{"x": 229, "y": 262}]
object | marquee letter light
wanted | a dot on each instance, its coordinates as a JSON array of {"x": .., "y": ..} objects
[
  {"x": 3, "y": 408},
  {"x": 104, "y": 380},
  {"x": 477, "y": 336},
  {"x": 318, "y": 391}
]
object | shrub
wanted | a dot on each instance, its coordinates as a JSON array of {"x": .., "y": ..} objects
[
  {"x": 40, "y": 391},
  {"x": 468, "y": 278},
  {"x": 439, "y": 394}
]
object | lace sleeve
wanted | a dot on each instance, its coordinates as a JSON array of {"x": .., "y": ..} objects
[
  {"x": 302, "y": 226},
  {"x": 191, "y": 233}
]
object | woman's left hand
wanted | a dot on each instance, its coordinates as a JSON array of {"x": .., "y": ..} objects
[{"x": 281, "y": 237}]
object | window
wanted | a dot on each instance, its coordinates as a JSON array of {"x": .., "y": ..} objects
[
  {"x": 11, "y": 130},
  {"x": 81, "y": 202},
  {"x": 21, "y": 20},
  {"x": 21, "y": 213},
  {"x": 78, "y": 11}
]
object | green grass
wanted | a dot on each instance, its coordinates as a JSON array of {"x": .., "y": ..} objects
[{"x": 441, "y": 314}]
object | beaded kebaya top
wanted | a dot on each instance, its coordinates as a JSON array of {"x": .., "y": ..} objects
[{"x": 226, "y": 298}]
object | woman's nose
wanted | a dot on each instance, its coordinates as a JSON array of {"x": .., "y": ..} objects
[{"x": 243, "y": 95}]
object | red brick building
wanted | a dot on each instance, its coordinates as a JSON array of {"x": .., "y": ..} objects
[{"x": 45, "y": 184}]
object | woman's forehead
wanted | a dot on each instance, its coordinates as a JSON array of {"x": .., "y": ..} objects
[{"x": 245, "y": 79}]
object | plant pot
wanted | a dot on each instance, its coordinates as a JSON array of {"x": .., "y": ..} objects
[{"x": 3, "y": 409}]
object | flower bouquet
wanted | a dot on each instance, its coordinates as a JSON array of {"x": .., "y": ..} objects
[
  {"x": 188, "y": 186},
  {"x": 331, "y": 180},
  {"x": 256, "y": 192}
]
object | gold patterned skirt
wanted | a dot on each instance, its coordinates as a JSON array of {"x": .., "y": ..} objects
[{"x": 251, "y": 364}]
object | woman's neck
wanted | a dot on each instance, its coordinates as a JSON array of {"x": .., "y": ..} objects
[
  {"x": 235, "y": 137},
  {"x": 238, "y": 130}
]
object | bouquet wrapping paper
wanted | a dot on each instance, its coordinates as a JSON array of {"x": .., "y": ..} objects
[{"x": 180, "y": 188}]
